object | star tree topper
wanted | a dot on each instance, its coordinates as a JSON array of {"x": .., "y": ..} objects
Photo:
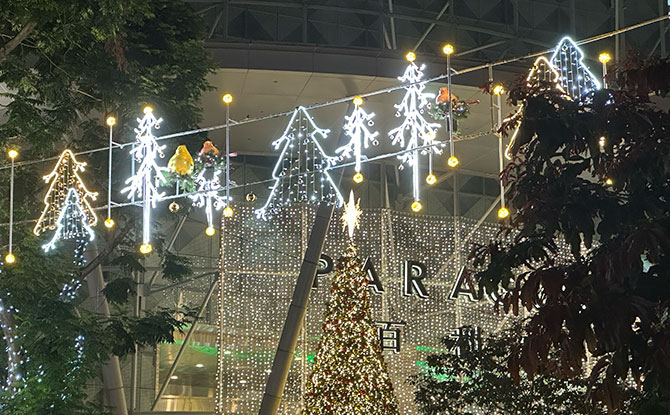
[{"x": 351, "y": 216}]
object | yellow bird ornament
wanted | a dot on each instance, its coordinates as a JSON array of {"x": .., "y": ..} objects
[{"x": 181, "y": 162}]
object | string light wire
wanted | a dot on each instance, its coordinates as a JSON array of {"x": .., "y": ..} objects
[{"x": 364, "y": 95}]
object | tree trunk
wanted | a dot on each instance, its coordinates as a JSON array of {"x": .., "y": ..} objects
[{"x": 16, "y": 41}]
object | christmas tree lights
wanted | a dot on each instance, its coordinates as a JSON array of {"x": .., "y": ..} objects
[
  {"x": 67, "y": 208},
  {"x": 420, "y": 132},
  {"x": 349, "y": 376},
  {"x": 542, "y": 73},
  {"x": 356, "y": 128},
  {"x": 575, "y": 78},
  {"x": 149, "y": 176},
  {"x": 301, "y": 173}
]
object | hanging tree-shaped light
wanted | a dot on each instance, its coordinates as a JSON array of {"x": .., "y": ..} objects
[
  {"x": 360, "y": 136},
  {"x": 416, "y": 135},
  {"x": 67, "y": 209},
  {"x": 149, "y": 176},
  {"x": 301, "y": 173}
]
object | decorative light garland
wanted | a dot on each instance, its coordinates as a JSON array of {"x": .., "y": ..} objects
[
  {"x": 356, "y": 128},
  {"x": 67, "y": 208},
  {"x": 301, "y": 173},
  {"x": 412, "y": 108},
  {"x": 149, "y": 176}
]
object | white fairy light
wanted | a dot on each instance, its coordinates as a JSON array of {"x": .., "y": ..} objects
[
  {"x": 149, "y": 176},
  {"x": 207, "y": 195},
  {"x": 301, "y": 173},
  {"x": 70, "y": 222},
  {"x": 575, "y": 77},
  {"x": 414, "y": 125},
  {"x": 356, "y": 128}
]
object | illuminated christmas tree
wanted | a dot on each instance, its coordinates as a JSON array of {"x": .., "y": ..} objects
[
  {"x": 66, "y": 204},
  {"x": 350, "y": 376},
  {"x": 576, "y": 79},
  {"x": 301, "y": 174},
  {"x": 415, "y": 132}
]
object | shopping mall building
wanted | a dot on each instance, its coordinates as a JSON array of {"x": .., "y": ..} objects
[{"x": 277, "y": 56}]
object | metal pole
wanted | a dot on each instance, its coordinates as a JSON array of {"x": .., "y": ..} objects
[
  {"x": 11, "y": 208},
  {"x": 183, "y": 345},
  {"x": 432, "y": 25},
  {"x": 109, "y": 176},
  {"x": 296, "y": 312},
  {"x": 111, "y": 370}
]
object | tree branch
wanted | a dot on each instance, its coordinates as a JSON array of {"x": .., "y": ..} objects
[{"x": 20, "y": 37}]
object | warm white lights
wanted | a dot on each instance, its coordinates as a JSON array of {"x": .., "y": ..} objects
[
  {"x": 352, "y": 213},
  {"x": 66, "y": 203}
]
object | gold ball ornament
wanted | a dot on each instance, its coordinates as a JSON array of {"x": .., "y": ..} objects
[
  {"x": 109, "y": 223},
  {"x": 503, "y": 212},
  {"x": 604, "y": 57},
  {"x": 146, "y": 249},
  {"x": 111, "y": 121},
  {"x": 210, "y": 231},
  {"x": 358, "y": 177},
  {"x": 609, "y": 181},
  {"x": 431, "y": 179},
  {"x": 228, "y": 212},
  {"x": 498, "y": 89},
  {"x": 9, "y": 258},
  {"x": 227, "y": 98},
  {"x": 452, "y": 162},
  {"x": 416, "y": 206},
  {"x": 358, "y": 101},
  {"x": 13, "y": 154},
  {"x": 251, "y": 197},
  {"x": 410, "y": 56},
  {"x": 181, "y": 161},
  {"x": 448, "y": 49},
  {"x": 174, "y": 207}
]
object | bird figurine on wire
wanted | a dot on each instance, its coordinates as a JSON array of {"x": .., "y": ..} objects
[{"x": 181, "y": 162}]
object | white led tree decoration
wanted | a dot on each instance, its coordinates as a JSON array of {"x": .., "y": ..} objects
[
  {"x": 301, "y": 173},
  {"x": 356, "y": 128},
  {"x": 207, "y": 194},
  {"x": 415, "y": 131},
  {"x": 67, "y": 208},
  {"x": 575, "y": 78},
  {"x": 149, "y": 176}
]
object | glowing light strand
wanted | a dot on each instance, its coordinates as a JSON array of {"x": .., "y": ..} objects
[
  {"x": 67, "y": 208},
  {"x": 146, "y": 179},
  {"x": 301, "y": 173},
  {"x": 356, "y": 128},
  {"x": 414, "y": 124}
]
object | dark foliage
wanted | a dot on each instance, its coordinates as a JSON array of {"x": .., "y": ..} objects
[{"x": 608, "y": 200}]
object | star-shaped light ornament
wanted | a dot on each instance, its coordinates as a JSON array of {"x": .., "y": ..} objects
[{"x": 352, "y": 213}]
